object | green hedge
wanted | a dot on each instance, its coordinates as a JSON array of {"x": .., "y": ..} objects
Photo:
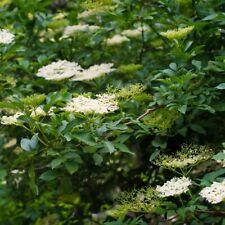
[{"x": 112, "y": 112}]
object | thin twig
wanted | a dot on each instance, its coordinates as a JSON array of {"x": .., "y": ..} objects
[
  {"x": 211, "y": 212},
  {"x": 41, "y": 167},
  {"x": 148, "y": 111}
]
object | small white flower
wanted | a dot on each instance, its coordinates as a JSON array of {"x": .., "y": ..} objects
[
  {"x": 94, "y": 72},
  {"x": 38, "y": 112},
  {"x": 116, "y": 40},
  {"x": 16, "y": 171},
  {"x": 215, "y": 193},
  {"x": 175, "y": 186},
  {"x": 103, "y": 104},
  {"x": 133, "y": 33},
  {"x": 93, "y": 28},
  {"x": 11, "y": 120},
  {"x": 6, "y": 37},
  {"x": 108, "y": 101},
  {"x": 71, "y": 30},
  {"x": 59, "y": 70}
]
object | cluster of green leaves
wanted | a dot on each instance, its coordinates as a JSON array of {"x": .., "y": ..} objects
[{"x": 68, "y": 168}]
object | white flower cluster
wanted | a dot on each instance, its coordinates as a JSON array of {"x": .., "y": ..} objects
[
  {"x": 59, "y": 70},
  {"x": 63, "y": 69},
  {"x": 71, "y": 30},
  {"x": 11, "y": 120},
  {"x": 103, "y": 104},
  {"x": 125, "y": 35},
  {"x": 116, "y": 40},
  {"x": 6, "y": 37},
  {"x": 215, "y": 193},
  {"x": 94, "y": 72},
  {"x": 175, "y": 186},
  {"x": 133, "y": 33}
]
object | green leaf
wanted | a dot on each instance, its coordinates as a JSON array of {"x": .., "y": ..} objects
[
  {"x": 154, "y": 155},
  {"x": 42, "y": 59},
  {"x": 223, "y": 222},
  {"x": 56, "y": 98},
  {"x": 182, "y": 109},
  {"x": 159, "y": 142},
  {"x": 11, "y": 105},
  {"x": 171, "y": 213},
  {"x": 71, "y": 167},
  {"x": 210, "y": 17},
  {"x": 202, "y": 207},
  {"x": 219, "y": 156},
  {"x": 109, "y": 146},
  {"x": 72, "y": 155},
  {"x": 210, "y": 177},
  {"x": 123, "y": 148},
  {"x": 220, "y": 86},
  {"x": 97, "y": 159},
  {"x": 197, "y": 64},
  {"x": 3, "y": 173},
  {"x": 173, "y": 66},
  {"x": 56, "y": 162},
  {"x": 85, "y": 138},
  {"x": 219, "y": 107},
  {"x": 48, "y": 175},
  {"x": 197, "y": 128}
]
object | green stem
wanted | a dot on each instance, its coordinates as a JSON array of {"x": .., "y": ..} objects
[
  {"x": 42, "y": 141},
  {"x": 182, "y": 203},
  {"x": 189, "y": 192}
]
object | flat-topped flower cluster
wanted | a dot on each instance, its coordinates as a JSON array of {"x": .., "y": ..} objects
[
  {"x": 101, "y": 105},
  {"x": 214, "y": 193},
  {"x": 6, "y": 37},
  {"x": 175, "y": 186},
  {"x": 126, "y": 35},
  {"x": 10, "y": 120},
  {"x": 59, "y": 70},
  {"x": 64, "y": 69},
  {"x": 70, "y": 31}
]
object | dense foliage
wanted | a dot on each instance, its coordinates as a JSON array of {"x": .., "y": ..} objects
[{"x": 112, "y": 112}]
